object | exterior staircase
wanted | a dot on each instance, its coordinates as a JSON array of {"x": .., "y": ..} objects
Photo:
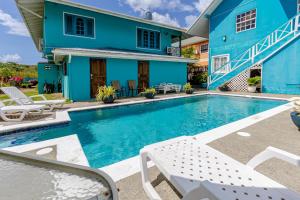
[{"x": 256, "y": 54}]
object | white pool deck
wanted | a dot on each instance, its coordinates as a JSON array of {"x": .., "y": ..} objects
[{"x": 70, "y": 150}]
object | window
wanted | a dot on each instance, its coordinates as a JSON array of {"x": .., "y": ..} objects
[
  {"x": 148, "y": 39},
  {"x": 246, "y": 21},
  {"x": 298, "y": 6},
  {"x": 204, "y": 48},
  {"x": 79, "y": 26},
  {"x": 220, "y": 61}
]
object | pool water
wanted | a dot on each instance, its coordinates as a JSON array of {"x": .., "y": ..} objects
[{"x": 114, "y": 134}]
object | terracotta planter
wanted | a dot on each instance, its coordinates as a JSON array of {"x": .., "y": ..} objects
[
  {"x": 191, "y": 91},
  {"x": 252, "y": 89},
  {"x": 296, "y": 119},
  {"x": 149, "y": 95},
  {"x": 109, "y": 99}
]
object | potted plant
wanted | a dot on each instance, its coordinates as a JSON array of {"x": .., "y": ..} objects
[
  {"x": 253, "y": 83},
  {"x": 106, "y": 94},
  {"x": 295, "y": 114},
  {"x": 188, "y": 88},
  {"x": 149, "y": 93}
]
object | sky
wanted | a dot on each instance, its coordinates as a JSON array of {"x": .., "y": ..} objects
[{"x": 16, "y": 44}]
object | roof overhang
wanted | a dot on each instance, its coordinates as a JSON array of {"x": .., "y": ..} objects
[
  {"x": 190, "y": 41},
  {"x": 32, "y": 12},
  {"x": 115, "y": 14},
  {"x": 201, "y": 25},
  {"x": 60, "y": 53}
]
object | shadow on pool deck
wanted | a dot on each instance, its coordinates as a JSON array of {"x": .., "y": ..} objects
[{"x": 277, "y": 131}]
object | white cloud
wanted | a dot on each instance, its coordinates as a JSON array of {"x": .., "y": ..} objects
[
  {"x": 201, "y": 5},
  {"x": 165, "y": 19},
  {"x": 177, "y": 4},
  {"x": 10, "y": 58},
  {"x": 14, "y": 26},
  {"x": 190, "y": 19},
  {"x": 139, "y": 5}
]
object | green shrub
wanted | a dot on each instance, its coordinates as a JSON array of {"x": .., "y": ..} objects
[
  {"x": 254, "y": 81},
  {"x": 150, "y": 90},
  {"x": 187, "y": 86},
  {"x": 105, "y": 92}
]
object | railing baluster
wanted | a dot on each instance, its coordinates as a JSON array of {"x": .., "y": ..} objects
[{"x": 273, "y": 38}]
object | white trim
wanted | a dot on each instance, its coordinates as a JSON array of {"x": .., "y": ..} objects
[
  {"x": 218, "y": 56},
  {"x": 119, "y": 54},
  {"x": 245, "y": 21},
  {"x": 69, "y": 35},
  {"x": 97, "y": 10},
  {"x": 139, "y": 27}
]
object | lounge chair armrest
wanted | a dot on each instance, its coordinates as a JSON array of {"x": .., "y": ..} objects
[
  {"x": 10, "y": 101},
  {"x": 39, "y": 95},
  {"x": 272, "y": 152}
]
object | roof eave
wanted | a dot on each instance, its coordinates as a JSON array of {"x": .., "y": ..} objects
[
  {"x": 119, "y": 55},
  {"x": 201, "y": 26},
  {"x": 124, "y": 16}
]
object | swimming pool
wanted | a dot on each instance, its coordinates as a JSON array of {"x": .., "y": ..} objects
[{"x": 114, "y": 134}]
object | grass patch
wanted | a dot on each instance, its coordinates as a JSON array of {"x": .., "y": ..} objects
[{"x": 33, "y": 91}]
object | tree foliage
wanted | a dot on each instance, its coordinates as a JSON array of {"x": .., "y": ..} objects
[
  {"x": 8, "y": 70},
  {"x": 188, "y": 52}
]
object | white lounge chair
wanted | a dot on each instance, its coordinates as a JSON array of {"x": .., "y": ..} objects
[
  {"x": 198, "y": 171},
  {"x": 20, "y": 111},
  {"x": 168, "y": 87},
  {"x": 21, "y": 99}
]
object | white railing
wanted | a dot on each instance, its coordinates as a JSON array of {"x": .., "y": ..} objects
[{"x": 281, "y": 33}]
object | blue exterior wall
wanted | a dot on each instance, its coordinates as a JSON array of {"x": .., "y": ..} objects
[
  {"x": 110, "y": 31},
  {"x": 47, "y": 73},
  {"x": 281, "y": 73},
  {"x": 76, "y": 84},
  {"x": 271, "y": 14},
  {"x": 167, "y": 72},
  {"x": 121, "y": 70}
]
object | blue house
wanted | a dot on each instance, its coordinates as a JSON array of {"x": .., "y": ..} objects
[
  {"x": 87, "y": 47},
  {"x": 250, "y": 38}
]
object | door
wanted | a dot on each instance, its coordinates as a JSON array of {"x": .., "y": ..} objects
[
  {"x": 98, "y": 75},
  {"x": 143, "y": 75}
]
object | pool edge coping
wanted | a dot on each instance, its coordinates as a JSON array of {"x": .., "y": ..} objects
[{"x": 130, "y": 166}]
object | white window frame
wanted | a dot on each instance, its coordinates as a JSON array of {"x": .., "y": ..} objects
[
  {"x": 227, "y": 56},
  {"x": 246, "y": 20}
]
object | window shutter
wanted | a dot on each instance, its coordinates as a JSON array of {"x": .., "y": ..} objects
[
  {"x": 139, "y": 38},
  {"x": 157, "y": 40},
  {"x": 69, "y": 24},
  {"x": 90, "y": 28}
]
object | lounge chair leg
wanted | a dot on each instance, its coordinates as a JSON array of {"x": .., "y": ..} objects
[
  {"x": 22, "y": 116},
  {"x": 149, "y": 189}
]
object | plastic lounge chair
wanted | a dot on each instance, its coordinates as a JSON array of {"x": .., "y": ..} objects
[
  {"x": 20, "y": 111},
  {"x": 165, "y": 87},
  {"x": 21, "y": 99},
  {"x": 197, "y": 170},
  {"x": 132, "y": 87},
  {"x": 29, "y": 177},
  {"x": 117, "y": 87}
]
